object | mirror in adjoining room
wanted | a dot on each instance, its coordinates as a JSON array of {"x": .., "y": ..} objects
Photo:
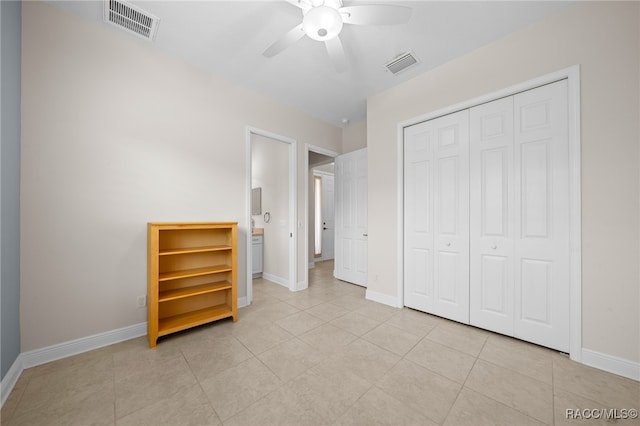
[{"x": 256, "y": 201}]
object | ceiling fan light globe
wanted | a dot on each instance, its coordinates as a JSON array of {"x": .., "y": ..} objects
[{"x": 322, "y": 23}]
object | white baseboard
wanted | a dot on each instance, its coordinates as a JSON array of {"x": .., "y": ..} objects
[
  {"x": 302, "y": 285},
  {"x": 385, "y": 299},
  {"x": 275, "y": 279},
  {"x": 612, "y": 364},
  {"x": 73, "y": 347},
  {"x": 10, "y": 379},
  {"x": 66, "y": 349},
  {"x": 84, "y": 344}
]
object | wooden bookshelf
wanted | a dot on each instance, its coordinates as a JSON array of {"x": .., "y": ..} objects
[{"x": 192, "y": 275}]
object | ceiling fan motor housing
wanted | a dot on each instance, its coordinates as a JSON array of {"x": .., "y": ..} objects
[{"x": 322, "y": 23}]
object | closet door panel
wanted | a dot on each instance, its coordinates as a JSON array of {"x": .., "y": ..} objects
[
  {"x": 535, "y": 290},
  {"x": 437, "y": 216},
  {"x": 542, "y": 206},
  {"x": 535, "y": 178},
  {"x": 495, "y": 285},
  {"x": 448, "y": 289},
  {"x": 492, "y": 216},
  {"x": 494, "y": 180},
  {"x": 448, "y": 196},
  {"x": 448, "y": 263},
  {"x": 422, "y": 276},
  {"x": 451, "y": 216},
  {"x": 418, "y": 217}
]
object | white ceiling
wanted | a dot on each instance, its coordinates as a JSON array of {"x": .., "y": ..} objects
[{"x": 228, "y": 38}]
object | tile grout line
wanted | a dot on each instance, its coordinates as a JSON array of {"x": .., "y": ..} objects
[
  {"x": 553, "y": 390},
  {"x": 462, "y": 386},
  {"x": 354, "y": 403},
  {"x": 115, "y": 396},
  {"x": 200, "y": 384},
  {"x": 512, "y": 371}
]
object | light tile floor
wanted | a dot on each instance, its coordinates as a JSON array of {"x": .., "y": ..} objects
[{"x": 323, "y": 356}]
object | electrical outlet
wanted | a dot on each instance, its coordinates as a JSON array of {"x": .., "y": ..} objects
[{"x": 141, "y": 301}]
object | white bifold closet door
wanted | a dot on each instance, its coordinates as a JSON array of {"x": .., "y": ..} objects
[
  {"x": 513, "y": 172},
  {"x": 492, "y": 221},
  {"x": 520, "y": 216},
  {"x": 436, "y": 216}
]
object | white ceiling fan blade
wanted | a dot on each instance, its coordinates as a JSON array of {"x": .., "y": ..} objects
[
  {"x": 379, "y": 14},
  {"x": 336, "y": 53},
  {"x": 302, "y": 4},
  {"x": 285, "y": 41}
]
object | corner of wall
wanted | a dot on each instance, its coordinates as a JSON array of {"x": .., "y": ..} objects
[
  {"x": 10, "y": 117},
  {"x": 354, "y": 136},
  {"x": 10, "y": 379},
  {"x": 383, "y": 298}
]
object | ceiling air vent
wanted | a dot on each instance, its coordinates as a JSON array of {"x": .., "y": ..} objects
[
  {"x": 401, "y": 63},
  {"x": 131, "y": 18}
]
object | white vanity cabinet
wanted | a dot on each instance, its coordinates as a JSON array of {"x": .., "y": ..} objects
[{"x": 257, "y": 254}]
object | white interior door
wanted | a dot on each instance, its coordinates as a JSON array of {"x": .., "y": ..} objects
[
  {"x": 436, "y": 216},
  {"x": 328, "y": 227},
  {"x": 351, "y": 217}
]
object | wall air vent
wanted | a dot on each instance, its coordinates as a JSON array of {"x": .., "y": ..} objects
[
  {"x": 401, "y": 63},
  {"x": 131, "y": 18}
]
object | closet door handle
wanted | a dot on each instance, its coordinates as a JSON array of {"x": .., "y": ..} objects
[{"x": 494, "y": 247}]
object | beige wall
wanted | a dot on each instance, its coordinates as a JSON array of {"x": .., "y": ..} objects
[
  {"x": 603, "y": 39},
  {"x": 116, "y": 134},
  {"x": 354, "y": 136}
]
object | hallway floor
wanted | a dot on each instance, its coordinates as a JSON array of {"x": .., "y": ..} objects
[{"x": 322, "y": 356}]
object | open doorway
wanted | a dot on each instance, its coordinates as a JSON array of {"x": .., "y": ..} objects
[
  {"x": 271, "y": 200},
  {"x": 323, "y": 212},
  {"x": 319, "y": 204}
]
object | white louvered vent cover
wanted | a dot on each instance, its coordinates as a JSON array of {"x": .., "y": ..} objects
[
  {"x": 131, "y": 18},
  {"x": 401, "y": 62}
]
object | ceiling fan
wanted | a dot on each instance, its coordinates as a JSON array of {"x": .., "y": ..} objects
[{"x": 323, "y": 20}]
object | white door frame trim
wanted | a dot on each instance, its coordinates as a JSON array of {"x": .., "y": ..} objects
[
  {"x": 293, "y": 203},
  {"x": 318, "y": 150},
  {"x": 572, "y": 74}
]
